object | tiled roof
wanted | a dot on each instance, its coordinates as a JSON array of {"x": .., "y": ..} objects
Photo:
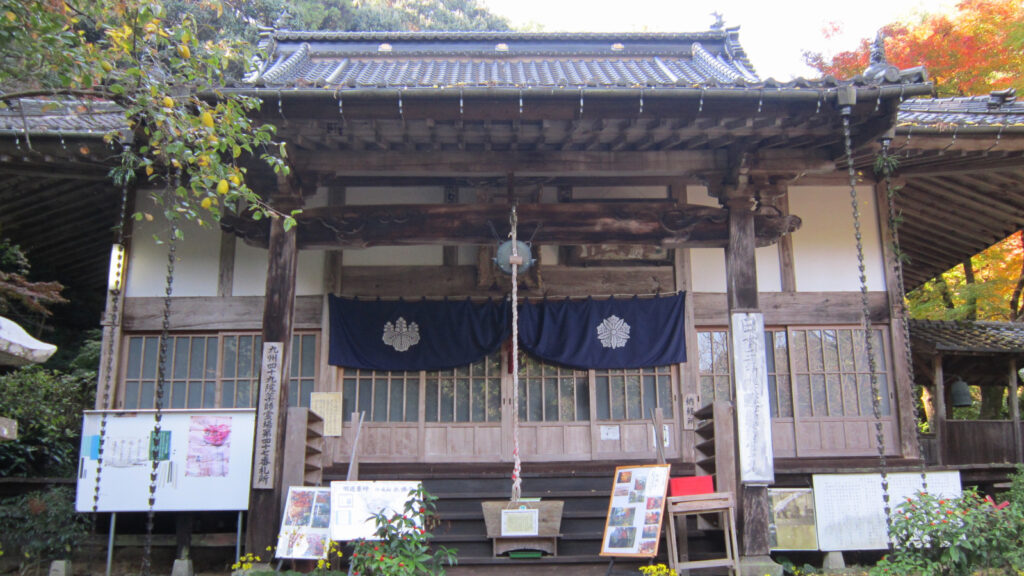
[
  {"x": 61, "y": 117},
  {"x": 996, "y": 109},
  {"x": 365, "y": 60},
  {"x": 969, "y": 337}
]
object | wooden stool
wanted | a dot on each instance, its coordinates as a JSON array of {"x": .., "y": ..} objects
[{"x": 721, "y": 503}]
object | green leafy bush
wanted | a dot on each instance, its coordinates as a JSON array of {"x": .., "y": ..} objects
[
  {"x": 403, "y": 547},
  {"x": 935, "y": 536},
  {"x": 48, "y": 408},
  {"x": 41, "y": 526}
]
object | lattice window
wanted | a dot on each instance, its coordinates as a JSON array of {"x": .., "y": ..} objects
[
  {"x": 825, "y": 369},
  {"x": 466, "y": 394},
  {"x": 383, "y": 396},
  {"x": 831, "y": 372},
  {"x": 212, "y": 370},
  {"x": 714, "y": 365},
  {"x": 633, "y": 394},
  {"x": 549, "y": 393}
]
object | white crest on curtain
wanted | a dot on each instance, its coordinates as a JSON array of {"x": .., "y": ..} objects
[
  {"x": 401, "y": 336},
  {"x": 613, "y": 332}
]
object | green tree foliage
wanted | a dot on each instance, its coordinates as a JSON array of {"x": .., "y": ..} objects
[{"x": 48, "y": 408}]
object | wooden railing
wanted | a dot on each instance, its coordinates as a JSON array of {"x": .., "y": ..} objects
[{"x": 978, "y": 442}]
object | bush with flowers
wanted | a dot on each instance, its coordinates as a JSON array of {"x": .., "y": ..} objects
[
  {"x": 934, "y": 536},
  {"x": 402, "y": 546}
]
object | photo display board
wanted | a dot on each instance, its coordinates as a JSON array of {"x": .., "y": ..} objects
[
  {"x": 204, "y": 460},
  {"x": 306, "y": 525},
  {"x": 635, "y": 511},
  {"x": 791, "y": 519},
  {"x": 849, "y": 508},
  {"x": 353, "y": 505}
]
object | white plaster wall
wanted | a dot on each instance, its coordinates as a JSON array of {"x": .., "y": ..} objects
[
  {"x": 707, "y": 270},
  {"x": 394, "y": 256},
  {"x": 708, "y": 264},
  {"x": 196, "y": 266},
  {"x": 824, "y": 248},
  {"x": 620, "y": 193},
  {"x": 394, "y": 195},
  {"x": 251, "y": 272}
]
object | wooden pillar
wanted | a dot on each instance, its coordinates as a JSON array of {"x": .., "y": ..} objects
[
  {"x": 939, "y": 398},
  {"x": 750, "y": 384},
  {"x": 226, "y": 276},
  {"x": 113, "y": 320},
  {"x": 1014, "y": 406},
  {"x": 903, "y": 387},
  {"x": 278, "y": 312},
  {"x": 787, "y": 267}
]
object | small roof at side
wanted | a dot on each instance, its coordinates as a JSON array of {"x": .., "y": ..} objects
[{"x": 968, "y": 338}]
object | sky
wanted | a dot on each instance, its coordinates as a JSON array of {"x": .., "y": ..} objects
[{"x": 774, "y": 34}]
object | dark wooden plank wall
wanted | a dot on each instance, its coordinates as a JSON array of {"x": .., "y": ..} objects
[{"x": 977, "y": 442}]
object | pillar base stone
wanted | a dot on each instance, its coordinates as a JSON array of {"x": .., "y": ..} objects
[
  {"x": 759, "y": 566},
  {"x": 183, "y": 568}
]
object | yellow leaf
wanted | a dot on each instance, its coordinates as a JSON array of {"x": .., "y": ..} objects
[
  {"x": 168, "y": 102},
  {"x": 206, "y": 203},
  {"x": 149, "y": 170},
  {"x": 223, "y": 187},
  {"x": 184, "y": 51},
  {"x": 11, "y": 16},
  {"x": 207, "y": 119}
]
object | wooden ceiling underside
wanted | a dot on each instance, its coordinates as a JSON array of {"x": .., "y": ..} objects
[{"x": 959, "y": 195}]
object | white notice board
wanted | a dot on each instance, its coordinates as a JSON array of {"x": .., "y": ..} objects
[
  {"x": 353, "y": 505},
  {"x": 851, "y": 514},
  {"x": 204, "y": 460}
]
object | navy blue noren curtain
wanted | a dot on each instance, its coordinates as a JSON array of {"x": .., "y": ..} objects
[
  {"x": 416, "y": 335},
  {"x": 606, "y": 334}
]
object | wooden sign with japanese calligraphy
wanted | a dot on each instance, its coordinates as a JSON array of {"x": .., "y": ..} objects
[
  {"x": 266, "y": 417},
  {"x": 753, "y": 416}
]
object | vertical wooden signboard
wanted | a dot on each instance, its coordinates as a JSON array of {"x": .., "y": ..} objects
[
  {"x": 753, "y": 416},
  {"x": 635, "y": 511},
  {"x": 266, "y": 417}
]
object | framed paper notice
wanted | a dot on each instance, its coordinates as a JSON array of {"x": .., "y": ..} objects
[
  {"x": 520, "y": 522},
  {"x": 635, "y": 511}
]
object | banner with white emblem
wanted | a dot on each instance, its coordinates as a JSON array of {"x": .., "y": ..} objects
[
  {"x": 417, "y": 335},
  {"x": 613, "y": 333}
]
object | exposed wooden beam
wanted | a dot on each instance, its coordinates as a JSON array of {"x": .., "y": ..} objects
[
  {"x": 661, "y": 223},
  {"x": 554, "y": 163}
]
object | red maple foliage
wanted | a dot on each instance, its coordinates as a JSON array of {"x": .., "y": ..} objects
[{"x": 976, "y": 49}]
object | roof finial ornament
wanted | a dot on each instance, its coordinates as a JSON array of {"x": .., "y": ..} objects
[
  {"x": 877, "y": 55},
  {"x": 719, "y": 22},
  {"x": 879, "y": 70}
]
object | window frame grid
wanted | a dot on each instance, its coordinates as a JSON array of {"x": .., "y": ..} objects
[{"x": 140, "y": 379}]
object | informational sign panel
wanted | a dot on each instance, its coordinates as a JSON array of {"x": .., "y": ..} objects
[
  {"x": 520, "y": 522},
  {"x": 353, "y": 505},
  {"x": 753, "y": 415},
  {"x": 791, "y": 519},
  {"x": 327, "y": 405},
  {"x": 204, "y": 459},
  {"x": 266, "y": 419},
  {"x": 636, "y": 510},
  {"x": 305, "y": 527},
  {"x": 851, "y": 514}
]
